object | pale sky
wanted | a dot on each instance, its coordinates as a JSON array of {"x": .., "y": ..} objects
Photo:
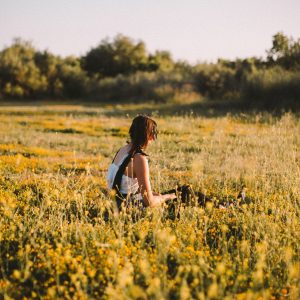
[{"x": 192, "y": 30}]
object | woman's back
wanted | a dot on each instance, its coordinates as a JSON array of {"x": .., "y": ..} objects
[
  {"x": 129, "y": 171},
  {"x": 129, "y": 184}
]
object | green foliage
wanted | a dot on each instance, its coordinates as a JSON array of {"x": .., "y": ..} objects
[
  {"x": 73, "y": 78},
  {"x": 225, "y": 79},
  {"x": 161, "y": 60},
  {"x": 19, "y": 74},
  {"x": 153, "y": 86},
  {"x": 273, "y": 87},
  {"x": 261, "y": 83},
  {"x": 215, "y": 80},
  {"x": 47, "y": 64},
  {"x": 285, "y": 52},
  {"x": 121, "y": 69},
  {"x": 121, "y": 56}
]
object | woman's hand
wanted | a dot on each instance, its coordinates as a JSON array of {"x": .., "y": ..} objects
[
  {"x": 168, "y": 196},
  {"x": 158, "y": 200},
  {"x": 165, "y": 196}
]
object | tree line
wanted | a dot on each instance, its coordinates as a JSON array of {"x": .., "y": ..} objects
[{"x": 121, "y": 69}]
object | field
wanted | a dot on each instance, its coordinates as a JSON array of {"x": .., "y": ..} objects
[{"x": 56, "y": 240}]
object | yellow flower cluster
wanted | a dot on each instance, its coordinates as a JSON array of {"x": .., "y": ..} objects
[{"x": 60, "y": 237}]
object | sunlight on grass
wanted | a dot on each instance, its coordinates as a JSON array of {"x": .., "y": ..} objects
[{"x": 60, "y": 236}]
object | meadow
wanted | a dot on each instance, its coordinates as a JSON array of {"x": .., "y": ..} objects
[{"x": 57, "y": 241}]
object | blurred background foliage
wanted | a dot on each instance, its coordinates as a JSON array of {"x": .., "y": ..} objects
[{"x": 121, "y": 69}]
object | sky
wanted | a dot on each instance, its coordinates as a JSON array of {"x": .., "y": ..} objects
[{"x": 192, "y": 30}]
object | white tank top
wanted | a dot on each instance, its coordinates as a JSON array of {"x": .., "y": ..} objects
[{"x": 128, "y": 185}]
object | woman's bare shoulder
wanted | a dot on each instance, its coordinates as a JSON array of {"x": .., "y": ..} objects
[{"x": 140, "y": 158}]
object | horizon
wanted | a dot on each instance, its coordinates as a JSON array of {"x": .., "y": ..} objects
[{"x": 196, "y": 31}]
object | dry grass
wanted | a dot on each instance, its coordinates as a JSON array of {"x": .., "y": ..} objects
[{"x": 55, "y": 240}]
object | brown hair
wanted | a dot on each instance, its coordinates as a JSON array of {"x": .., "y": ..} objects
[{"x": 141, "y": 130}]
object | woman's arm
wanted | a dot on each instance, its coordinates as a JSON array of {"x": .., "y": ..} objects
[{"x": 141, "y": 169}]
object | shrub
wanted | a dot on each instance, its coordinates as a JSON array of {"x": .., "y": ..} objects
[{"x": 274, "y": 87}]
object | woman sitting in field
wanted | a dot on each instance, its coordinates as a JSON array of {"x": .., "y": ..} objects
[{"x": 128, "y": 174}]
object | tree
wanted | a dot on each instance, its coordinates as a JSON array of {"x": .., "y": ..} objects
[
  {"x": 71, "y": 77},
  {"x": 280, "y": 46},
  {"x": 48, "y": 65},
  {"x": 284, "y": 52},
  {"x": 161, "y": 60},
  {"x": 121, "y": 56},
  {"x": 215, "y": 80},
  {"x": 19, "y": 74}
]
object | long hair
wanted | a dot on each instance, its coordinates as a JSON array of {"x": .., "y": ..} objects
[{"x": 141, "y": 130}]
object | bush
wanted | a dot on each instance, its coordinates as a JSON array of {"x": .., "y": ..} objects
[
  {"x": 273, "y": 87},
  {"x": 215, "y": 80},
  {"x": 141, "y": 86}
]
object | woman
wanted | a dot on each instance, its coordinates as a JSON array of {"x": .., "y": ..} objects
[{"x": 128, "y": 174}]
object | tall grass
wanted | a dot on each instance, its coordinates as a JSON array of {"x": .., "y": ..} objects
[{"x": 56, "y": 241}]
